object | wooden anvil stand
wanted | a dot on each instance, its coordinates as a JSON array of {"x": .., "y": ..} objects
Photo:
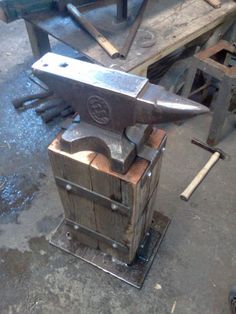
[{"x": 109, "y": 218}]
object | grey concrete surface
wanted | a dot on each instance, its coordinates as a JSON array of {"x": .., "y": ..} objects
[{"x": 196, "y": 264}]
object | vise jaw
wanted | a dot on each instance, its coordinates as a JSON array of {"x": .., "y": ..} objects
[{"x": 116, "y": 109}]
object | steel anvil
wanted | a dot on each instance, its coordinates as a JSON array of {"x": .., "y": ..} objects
[
  {"x": 116, "y": 109},
  {"x": 110, "y": 219}
]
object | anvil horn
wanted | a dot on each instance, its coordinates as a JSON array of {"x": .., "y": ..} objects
[{"x": 166, "y": 107}]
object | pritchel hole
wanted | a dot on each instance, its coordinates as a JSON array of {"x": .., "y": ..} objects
[
  {"x": 68, "y": 235},
  {"x": 45, "y": 65},
  {"x": 64, "y": 65}
]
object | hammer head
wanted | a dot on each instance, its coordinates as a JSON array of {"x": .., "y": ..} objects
[{"x": 209, "y": 148}]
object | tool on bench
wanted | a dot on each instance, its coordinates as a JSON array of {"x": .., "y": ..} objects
[
  {"x": 214, "y": 3},
  {"x": 88, "y": 26},
  {"x": 112, "y": 106},
  {"x": 216, "y": 155},
  {"x": 62, "y": 5},
  {"x": 112, "y": 51}
]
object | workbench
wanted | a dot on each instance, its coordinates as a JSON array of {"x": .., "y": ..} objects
[{"x": 166, "y": 26}]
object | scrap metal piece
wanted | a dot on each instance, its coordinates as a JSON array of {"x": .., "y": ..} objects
[{"x": 20, "y": 101}]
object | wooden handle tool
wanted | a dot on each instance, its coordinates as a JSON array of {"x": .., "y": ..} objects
[
  {"x": 88, "y": 26},
  {"x": 199, "y": 177},
  {"x": 214, "y": 3},
  {"x": 216, "y": 155}
]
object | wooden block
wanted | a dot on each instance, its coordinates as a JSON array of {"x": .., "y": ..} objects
[
  {"x": 92, "y": 171},
  {"x": 74, "y": 168}
]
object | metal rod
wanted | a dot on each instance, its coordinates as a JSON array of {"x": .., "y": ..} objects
[
  {"x": 18, "y": 102},
  {"x": 134, "y": 28},
  {"x": 122, "y": 10}
]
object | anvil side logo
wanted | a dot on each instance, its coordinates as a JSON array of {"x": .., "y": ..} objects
[{"x": 99, "y": 110}]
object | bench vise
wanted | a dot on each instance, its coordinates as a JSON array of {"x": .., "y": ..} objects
[{"x": 116, "y": 109}]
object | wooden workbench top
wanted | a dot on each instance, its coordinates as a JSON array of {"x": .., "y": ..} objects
[{"x": 166, "y": 26}]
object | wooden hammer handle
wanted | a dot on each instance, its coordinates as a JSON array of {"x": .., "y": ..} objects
[
  {"x": 88, "y": 26},
  {"x": 199, "y": 177},
  {"x": 214, "y": 3}
]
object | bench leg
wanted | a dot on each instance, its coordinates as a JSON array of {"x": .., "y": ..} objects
[
  {"x": 189, "y": 80},
  {"x": 38, "y": 39},
  {"x": 220, "y": 111}
]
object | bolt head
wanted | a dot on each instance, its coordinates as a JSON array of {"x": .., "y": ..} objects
[
  {"x": 76, "y": 227},
  {"x": 114, "y": 245},
  {"x": 149, "y": 174},
  {"x": 163, "y": 149},
  {"x": 148, "y": 234},
  {"x": 68, "y": 235},
  {"x": 68, "y": 187},
  {"x": 114, "y": 206}
]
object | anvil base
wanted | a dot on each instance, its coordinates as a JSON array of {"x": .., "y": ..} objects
[{"x": 134, "y": 274}]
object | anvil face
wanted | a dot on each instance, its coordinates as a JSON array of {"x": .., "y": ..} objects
[{"x": 111, "y": 99}]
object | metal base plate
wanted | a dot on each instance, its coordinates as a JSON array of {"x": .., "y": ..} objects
[{"x": 132, "y": 274}]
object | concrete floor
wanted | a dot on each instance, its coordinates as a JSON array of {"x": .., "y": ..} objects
[{"x": 196, "y": 263}]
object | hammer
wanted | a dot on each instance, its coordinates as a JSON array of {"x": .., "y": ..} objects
[
  {"x": 216, "y": 155},
  {"x": 214, "y": 3}
]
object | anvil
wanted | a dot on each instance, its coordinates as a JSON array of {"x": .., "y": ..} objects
[{"x": 116, "y": 109}]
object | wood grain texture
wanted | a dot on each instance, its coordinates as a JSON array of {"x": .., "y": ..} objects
[
  {"x": 74, "y": 168},
  {"x": 92, "y": 171}
]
